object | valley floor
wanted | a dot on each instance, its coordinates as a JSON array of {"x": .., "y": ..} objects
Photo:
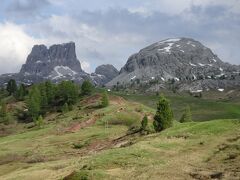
[{"x": 90, "y": 143}]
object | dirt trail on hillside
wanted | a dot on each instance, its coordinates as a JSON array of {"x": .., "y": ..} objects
[
  {"x": 116, "y": 100},
  {"x": 82, "y": 125}
]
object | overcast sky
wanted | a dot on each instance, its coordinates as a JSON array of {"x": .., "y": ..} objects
[{"x": 109, "y": 31}]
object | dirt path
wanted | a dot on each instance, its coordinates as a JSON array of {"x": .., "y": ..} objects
[{"x": 82, "y": 125}]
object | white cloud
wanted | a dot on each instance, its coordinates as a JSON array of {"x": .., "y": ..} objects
[
  {"x": 86, "y": 66},
  {"x": 15, "y": 45}
]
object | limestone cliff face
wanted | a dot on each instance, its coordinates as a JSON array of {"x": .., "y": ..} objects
[
  {"x": 43, "y": 61},
  {"x": 105, "y": 73},
  {"x": 182, "y": 59}
]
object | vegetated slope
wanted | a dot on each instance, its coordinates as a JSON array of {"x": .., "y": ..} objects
[
  {"x": 213, "y": 105},
  {"x": 207, "y": 150},
  {"x": 104, "y": 148}
]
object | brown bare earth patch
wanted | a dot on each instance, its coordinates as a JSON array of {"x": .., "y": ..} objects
[
  {"x": 116, "y": 100},
  {"x": 91, "y": 99},
  {"x": 82, "y": 125}
]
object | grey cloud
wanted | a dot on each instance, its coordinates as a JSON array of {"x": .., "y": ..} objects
[{"x": 23, "y": 10}]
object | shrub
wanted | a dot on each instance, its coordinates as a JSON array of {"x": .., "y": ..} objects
[
  {"x": 124, "y": 118},
  {"x": 39, "y": 122},
  {"x": 163, "y": 118},
  {"x": 65, "y": 108}
]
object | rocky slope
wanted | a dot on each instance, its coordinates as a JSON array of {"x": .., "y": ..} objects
[
  {"x": 56, "y": 63},
  {"x": 182, "y": 61},
  {"x": 105, "y": 73}
]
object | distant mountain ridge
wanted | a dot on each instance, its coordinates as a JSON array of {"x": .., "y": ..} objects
[
  {"x": 57, "y": 63},
  {"x": 183, "y": 60}
]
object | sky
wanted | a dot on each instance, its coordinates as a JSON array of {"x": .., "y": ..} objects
[{"x": 109, "y": 31}]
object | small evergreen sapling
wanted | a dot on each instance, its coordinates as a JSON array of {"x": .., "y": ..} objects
[
  {"x": 187, "y": 115},
  {"x": 144, "y": 123}
]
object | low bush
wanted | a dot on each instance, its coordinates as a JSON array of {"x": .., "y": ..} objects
[{"x": 125, "y": 118}]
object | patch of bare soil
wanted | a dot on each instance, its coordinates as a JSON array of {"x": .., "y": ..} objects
[
  {"x": 82, "y": 125},
  {"x": 116, "y": 100},
  {"x": 91, "y": 99}
]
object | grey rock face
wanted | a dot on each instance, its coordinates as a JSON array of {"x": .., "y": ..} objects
[
  {"x": 184, "y": 60},
  {"x": 42, "y": 61},
  {"x": 57, "y": 63},
  {"x": 105, "y": 73}
]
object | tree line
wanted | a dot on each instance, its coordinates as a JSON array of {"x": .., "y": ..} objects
[{"x": 44, "y": 97}]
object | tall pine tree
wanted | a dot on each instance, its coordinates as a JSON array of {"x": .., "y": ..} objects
[
  {"x": 34, "y": 103},
  {"x": 12, "y": 87},
  {"x": 21, "y": 92},
  {"x": 105, "y": 100},
  {"x": 86, "y": 88},
  {"x": 50, "y": 91},
  {"x": 163, "y": 118}
]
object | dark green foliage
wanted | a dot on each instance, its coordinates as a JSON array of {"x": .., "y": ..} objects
[
  {"x": 187, "y": 115},
  {"x": 144, "y": 123},
  {"x": 21, "y": 92},
  {"x": 34, "y": 103},
  {"x": 11, "y": 87},
  {"x": 105, "y": 100},
  {"x": 50, "y": 91},
  {"x": 68, "y": 92},
  {"x": 43, "y": 98},
  {"x": 86, "y": 88},
  {"x": 163, "y": 118}
]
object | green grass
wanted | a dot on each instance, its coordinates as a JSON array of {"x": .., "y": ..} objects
[
  {"x": 202, "y": 109},
  {"x": 160, "y": 151},
  {"x": 52, "y": 153}
]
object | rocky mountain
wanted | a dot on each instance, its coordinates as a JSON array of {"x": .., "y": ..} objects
[
  {"x": 56, "y": 63},
  {"x": 183, "y": 61},
  {"x": 105, "y": 73}
]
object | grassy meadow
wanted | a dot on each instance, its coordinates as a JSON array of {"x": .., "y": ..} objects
[{"x": 95, "y": 143}]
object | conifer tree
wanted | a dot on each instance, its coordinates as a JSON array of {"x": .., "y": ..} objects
[
  {"x": 187, "y": 115},
  {"x": 39, "y": 122},
  {"x": 43, "y": 98},
  {"x": 34, "y": 103},
  {"x": 68, "y": 92},
  {"x": 163, "y": 118},
  {"x": 144, "y": 123},
  {"x": 105, "y": 100},
  {"x": 11, "y": 87},
  {"x": 50, "y": 91},
  {"x": 86, "y": 88},
  {"x": 21, "y": 92}
]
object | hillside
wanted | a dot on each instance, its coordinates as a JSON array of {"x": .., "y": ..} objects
[{"x": 95, "y": 143}]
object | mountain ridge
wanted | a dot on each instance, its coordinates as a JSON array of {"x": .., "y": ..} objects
[{"x": 183, "y": 60}]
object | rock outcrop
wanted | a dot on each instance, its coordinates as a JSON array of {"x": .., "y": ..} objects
[
  {"x": 56, "y": 63},
  {"x": 105, "y": 73},
  {"x": 187, "y": 62}
]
